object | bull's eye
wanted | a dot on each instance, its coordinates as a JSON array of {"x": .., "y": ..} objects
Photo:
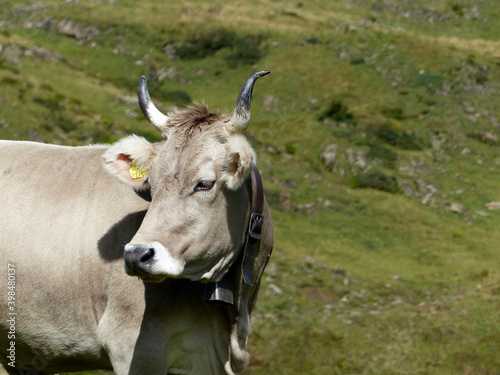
[{"x": 204, "y": 185}]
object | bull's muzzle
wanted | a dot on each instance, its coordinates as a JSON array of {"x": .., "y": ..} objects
[
  {"x": 138, "y": 259},
  {"x": 152, "y": 261}
]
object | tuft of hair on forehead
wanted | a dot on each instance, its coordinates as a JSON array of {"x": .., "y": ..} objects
[{"x": 194, "y": 118}]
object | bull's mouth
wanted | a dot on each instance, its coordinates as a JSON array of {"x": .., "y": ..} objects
[
  {"x": 151, "y": 279},
  {"x": 144, "y": 275},
  {"x": 133, "y": 269}
]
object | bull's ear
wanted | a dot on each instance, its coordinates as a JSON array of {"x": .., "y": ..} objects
[
  {"x": 129, "y": 160},
  {"x": 240, "y": 160}
]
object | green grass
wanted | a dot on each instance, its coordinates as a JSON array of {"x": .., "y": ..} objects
[{"x": 373, "y": 280}]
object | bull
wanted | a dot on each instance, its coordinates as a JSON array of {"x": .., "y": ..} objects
[{"x": 186, "y": 216}]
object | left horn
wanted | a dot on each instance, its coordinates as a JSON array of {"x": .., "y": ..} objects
[
  {"x": 152, "y": 114},
  {"x": 241, "y": 116}
]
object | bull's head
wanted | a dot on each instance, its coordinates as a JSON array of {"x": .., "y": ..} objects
[{"x": 195, "y": 224}]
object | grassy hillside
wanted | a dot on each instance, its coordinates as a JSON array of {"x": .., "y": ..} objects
[{"x": 378, "y": 139}]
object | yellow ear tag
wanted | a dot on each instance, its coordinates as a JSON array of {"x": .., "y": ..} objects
[{"x": 136, "y": 173}]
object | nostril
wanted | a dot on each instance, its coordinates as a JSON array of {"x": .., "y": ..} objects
[{"x": 148, "y": 254}]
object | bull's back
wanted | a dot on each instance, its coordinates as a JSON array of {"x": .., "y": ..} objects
[{"x": 63, "y": 223}]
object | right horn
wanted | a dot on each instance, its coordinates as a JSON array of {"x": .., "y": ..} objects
[
  {"x": 152, "y": 114},
  {"x": 241, "y": 115}
]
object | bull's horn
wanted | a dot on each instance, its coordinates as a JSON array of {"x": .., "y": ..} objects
[
  {"x": 241, "y": 116},
  {"x": 152, "y": 114}
]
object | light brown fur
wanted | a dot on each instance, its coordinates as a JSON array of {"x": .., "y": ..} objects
[{"x": 64, "y": 221}]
